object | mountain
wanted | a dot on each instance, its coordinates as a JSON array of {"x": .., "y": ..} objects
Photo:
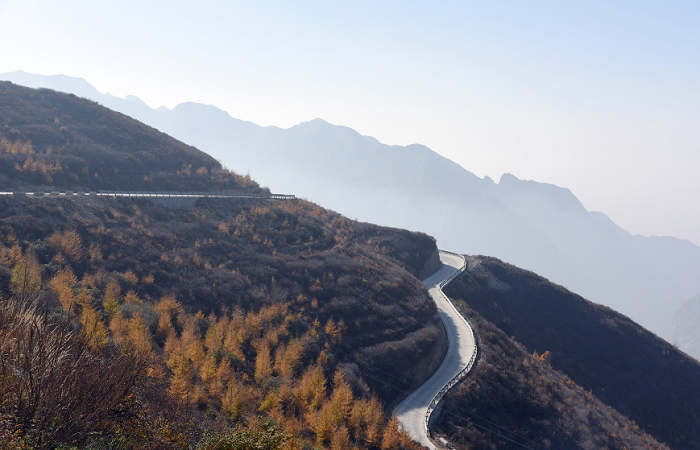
[
  {"x": 191, "y": 321},
  {"x": 623, "y": 365},
  {"x": 47, "y": 138},
  {"x": 227, "y": 321},
  {"x": 537, "y": 226}
]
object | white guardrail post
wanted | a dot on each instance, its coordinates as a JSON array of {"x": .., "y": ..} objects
[{"x": 457, "y": 378}]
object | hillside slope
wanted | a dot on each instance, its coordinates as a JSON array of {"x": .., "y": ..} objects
[
  {"x": 514, "y": 400},
  {"x": 48, "y": 139},
  {"x": 238, "y": 309},
  {"x": 537, "y": 226},
  {"x": 622, "y": 364}
]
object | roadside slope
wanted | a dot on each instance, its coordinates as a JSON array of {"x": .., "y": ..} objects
[
  {"x": 514, "y": 400},
  {"x": 627, "y": 367}
]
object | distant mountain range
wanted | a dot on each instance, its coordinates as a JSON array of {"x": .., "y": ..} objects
[{"x": 540, "y": 227}]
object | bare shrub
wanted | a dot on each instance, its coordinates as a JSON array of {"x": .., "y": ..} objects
[{"x": 54, "y": 386}]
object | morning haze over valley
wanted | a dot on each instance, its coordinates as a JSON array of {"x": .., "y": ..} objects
[{"x": 375, "y": 226}]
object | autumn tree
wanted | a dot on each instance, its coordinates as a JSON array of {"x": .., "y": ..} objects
[
  {"x": 131, "y": 277},
  {"x": 366, "y": 419},
  {"x": 139, "y": 335},
  {"x": 391, "y": 438},
  {"x": 110, "y": 301},
  {"x": 84, "y": 297},
  {"x": 232, "y": 400},
  {"x": 263, "y": 363},
  {"x": 321, "y": 422},
  {"x": 69, "y": 244},
  {"x": 341, "y": 439},
  {"x": 132, "y": 297},
  {"x": 15, "y": 254},
  {"x": 212, "y": 338},
  {"x": 333, "y": 331},
  {"x": 118, "y": 327},
  {"x": 169, "y": 310},
  {"x": 182, "y": 379},
  {"x": 287, "y": 358},
  {"x": 191, "y": 341},
  {"x": 311, "y": 389},
  {"x": 236, "y": 332},
  {"x": 341, "y": 398},
  {"x": 62, "y": 284},
  {"x": 95, "y": 253},
  {"x": 26, "y": 278},
  {"x": 94, "y": 328}
]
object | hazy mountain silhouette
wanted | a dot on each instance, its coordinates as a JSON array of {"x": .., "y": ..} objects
[
  {"x": 537, "y": 226},
  {"x": 685, "y": 327}
]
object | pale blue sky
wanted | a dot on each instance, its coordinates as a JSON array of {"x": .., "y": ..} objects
[{"x": 602, "y": 97}]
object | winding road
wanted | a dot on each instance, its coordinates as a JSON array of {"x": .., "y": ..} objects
[{"x": 414, "y": 412}]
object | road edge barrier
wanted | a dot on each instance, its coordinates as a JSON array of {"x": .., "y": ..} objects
[{"x": 149, "y": 194}]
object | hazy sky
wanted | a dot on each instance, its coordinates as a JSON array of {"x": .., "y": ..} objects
[{"x": 602, "y": 97}]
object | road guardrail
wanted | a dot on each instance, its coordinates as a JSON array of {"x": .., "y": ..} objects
[{"x": 150, "y": 194}]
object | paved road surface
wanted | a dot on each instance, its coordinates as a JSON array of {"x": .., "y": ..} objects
[{"x": 412, "y": 411}]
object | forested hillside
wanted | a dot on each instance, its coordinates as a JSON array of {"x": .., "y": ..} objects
[
  {"x": 126, "y": 324},
  {"x": 49, "y": 138},
  {"x": 622, "y": 364}
]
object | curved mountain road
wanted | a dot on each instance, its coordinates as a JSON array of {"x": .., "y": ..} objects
[{"x": 414, "y": 412}]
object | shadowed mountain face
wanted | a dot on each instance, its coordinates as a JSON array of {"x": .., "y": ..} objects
[
  {"x": 537, "y": 226},
  {"x": 514, "y": 399},
  {"x": 622, "y": 364}
]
